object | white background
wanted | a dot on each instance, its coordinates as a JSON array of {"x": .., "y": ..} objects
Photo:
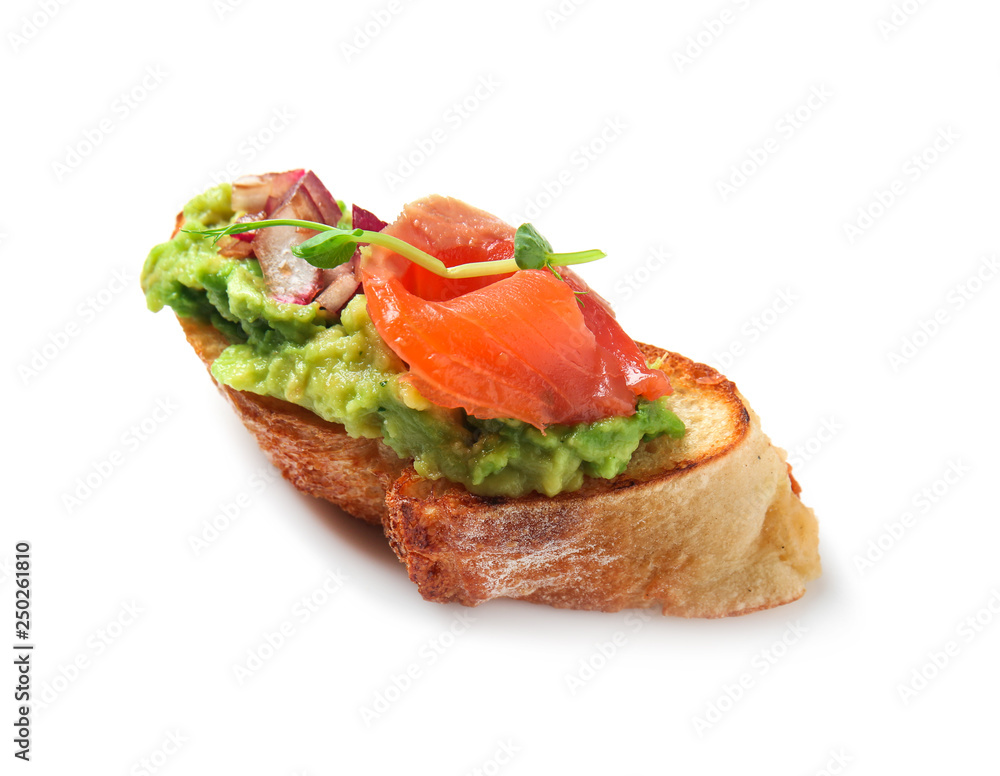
[{"x": 114, "y": 113}]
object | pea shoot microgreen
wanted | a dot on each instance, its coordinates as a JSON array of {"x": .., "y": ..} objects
[{"x": 334, "y": 246}]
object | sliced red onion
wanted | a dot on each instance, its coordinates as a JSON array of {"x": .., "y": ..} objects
[
  {"x": 342, "y": 284},
  {"x": 296, "y": 194},
  {"x": 287, "y": 277},
  {"x": 231, "y": 248},
  {"x": 365, "y": 219},
  {"x": 251, "y": 192},
  {"x": 328, "y": 208},
  {"x": 248, "y": 236}
]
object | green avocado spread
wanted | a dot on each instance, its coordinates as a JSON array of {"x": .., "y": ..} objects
[{"x": 341, "y": 369}]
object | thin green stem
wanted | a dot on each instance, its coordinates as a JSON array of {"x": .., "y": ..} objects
[
  {"x": 411, "y": 252},
  {"x": 475, "y": 269},
  {"x": 405, "y": 250},
  {"x": 579, "y": 257},
  {"x": 478, "y": 269},
  {"x": 250, "y": 226}
]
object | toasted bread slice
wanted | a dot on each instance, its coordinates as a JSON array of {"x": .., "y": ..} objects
[{"x": 704, "y": 526}]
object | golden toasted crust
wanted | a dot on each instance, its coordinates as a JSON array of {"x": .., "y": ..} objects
[
  {"x": 704, "y": 526},
  {"x": 317, "y": 457}
]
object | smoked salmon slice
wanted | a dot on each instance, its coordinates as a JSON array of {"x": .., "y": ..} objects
[
  {"x": 454, "y": 232},
  {"x": 519, "y": 346}
]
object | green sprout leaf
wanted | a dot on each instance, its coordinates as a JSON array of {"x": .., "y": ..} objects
[
  {"x": 329, "y": 249},
  {"x": 531, "y": 250}
]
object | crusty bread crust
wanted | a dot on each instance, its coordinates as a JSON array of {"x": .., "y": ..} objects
[
  {"x": 316, "y": 456},
  {"x": 705, "y": 526}
]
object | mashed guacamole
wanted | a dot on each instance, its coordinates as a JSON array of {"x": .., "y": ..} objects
[{"x": 343, "y": 371}]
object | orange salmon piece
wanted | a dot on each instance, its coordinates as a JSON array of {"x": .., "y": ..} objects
[{"x": 519, "y": 345}]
